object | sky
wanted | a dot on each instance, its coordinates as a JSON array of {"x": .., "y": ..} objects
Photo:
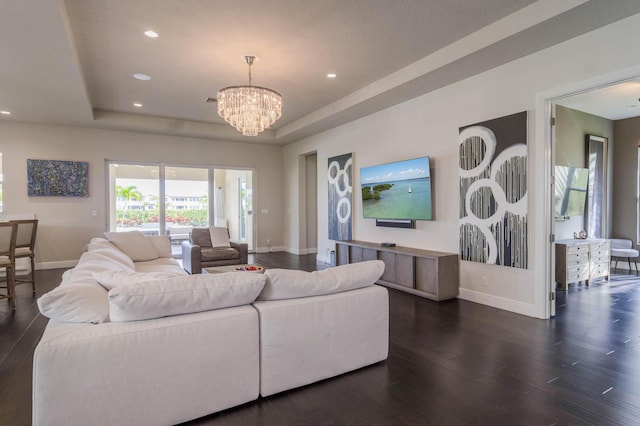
[
  {"x": 186, "y": 188},
  {"x": 401, "y": 170}
]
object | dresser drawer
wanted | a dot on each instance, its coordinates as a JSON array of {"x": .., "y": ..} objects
[
  {"x": 600, "y": 269},
  {"x": 577, "y": 249},
  {"x": 577, "y": 273},
  {"x": 600, "y": 256},
  {"x": 578, "y": 259}
]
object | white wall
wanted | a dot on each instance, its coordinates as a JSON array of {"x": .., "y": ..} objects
[
  {"x": 66, "y": 224},
  {"x": 428, "y": 125}
]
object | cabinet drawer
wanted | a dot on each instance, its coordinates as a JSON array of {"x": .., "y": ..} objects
[
  {"x": 600, "y": 255},
  {"x": 577, "y": 273},
  {"x": 578, "y": 259},
  {"x": 600, "y": 269},
  {"x": 600, "y": 246},
  {"x": 577, "y": 249}
]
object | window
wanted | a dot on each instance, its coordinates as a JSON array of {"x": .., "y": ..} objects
[{"x": 159, "y": 199}]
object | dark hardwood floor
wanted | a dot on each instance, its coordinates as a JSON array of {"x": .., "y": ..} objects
[{"x": 450, "y": 363}]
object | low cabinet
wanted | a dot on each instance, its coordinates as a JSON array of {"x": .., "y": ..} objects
[
  {"x": 581, "y": 260},
  {"x": 425, "y": 273}
]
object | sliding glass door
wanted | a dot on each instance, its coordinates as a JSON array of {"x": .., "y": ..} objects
[
  {"x": 186, "y": 202},
  {"x": 160, "y": 199},
  {"x": 134, "y": 198}
]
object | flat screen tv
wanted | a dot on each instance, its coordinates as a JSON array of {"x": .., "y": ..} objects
[
  {"x": 571, "y": 191},
  {"x": 397, "y": 191}
]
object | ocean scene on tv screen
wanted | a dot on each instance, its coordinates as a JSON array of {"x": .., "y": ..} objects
[{"x": 400, "y": 190}]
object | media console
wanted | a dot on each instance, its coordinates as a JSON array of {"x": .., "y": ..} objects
[{"x": 425, "y": 273}]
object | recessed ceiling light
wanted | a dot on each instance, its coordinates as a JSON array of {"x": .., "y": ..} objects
[
  {"x": 4, "y": 112},
  {"x": 137, "y": 104},
  {"x": 151, "y": 34},
  {"x": 140, "y": 76},
  {"x": 332, "y": 75}
]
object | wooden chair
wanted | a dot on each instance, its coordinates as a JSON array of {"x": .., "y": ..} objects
[
  {"x": 25, "y": 248},
  {"x": 8, "y": 232}
]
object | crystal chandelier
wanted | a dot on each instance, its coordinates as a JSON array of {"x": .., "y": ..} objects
[{"x": 250, "y": 109}]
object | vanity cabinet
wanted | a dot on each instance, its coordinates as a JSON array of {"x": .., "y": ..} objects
[
  {"x": 425, "y": 273},
  {"x": 581, "y": 260}
]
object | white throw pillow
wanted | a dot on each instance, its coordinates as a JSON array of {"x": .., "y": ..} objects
[
  {"x": 76, "y": 303},
  {"x": 219, "y": 236},
  {"x": 112, "y": 279},
  {"x": 161, "y": 244},
  {"x": 289, "y": 284},
  {"x": 115, "y": 256},
  {"x": 183, "y": 295},
  {"x": 134, "y": 244}
]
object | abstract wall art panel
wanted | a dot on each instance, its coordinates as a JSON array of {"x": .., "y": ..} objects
[
  {"x": 340, "y": 199},
  {"x": 493, "y": 191},
  {"x": 52, "y": 178}
]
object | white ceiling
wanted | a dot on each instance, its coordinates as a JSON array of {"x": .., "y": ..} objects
[
  {"x": 71, "y": 62},
  {"x": 615, "y": 102}
]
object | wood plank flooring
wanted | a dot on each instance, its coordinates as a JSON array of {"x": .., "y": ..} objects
[{"x": 450, "y": 363}]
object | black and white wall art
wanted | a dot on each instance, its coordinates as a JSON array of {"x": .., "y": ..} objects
[
  {"x": 340, "y": 200},
  {"x": 493, "y": 191}
]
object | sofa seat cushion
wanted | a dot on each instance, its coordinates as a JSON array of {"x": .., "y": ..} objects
[
  {"x": 289, "y": 284},
  {"x": 113, "y": 279},
  {"x": 624, "y": 253},
  {"x": 183, "y": 295},
  {"x": 218, "y": 253},
  {"x": 162, "y": 264}
]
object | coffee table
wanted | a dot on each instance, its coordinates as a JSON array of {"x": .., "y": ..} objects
[{"x": 233, "y": 268}]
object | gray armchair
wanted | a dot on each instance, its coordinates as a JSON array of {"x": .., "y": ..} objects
[{"x": 198, "y": 252}]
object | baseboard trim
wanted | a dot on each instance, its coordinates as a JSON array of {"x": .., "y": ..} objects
[
  {"x": 522, "y": 308},
  {"x": 60, "y": 264}
]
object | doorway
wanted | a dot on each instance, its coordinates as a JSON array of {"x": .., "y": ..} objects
[{"x": 578, "y": 117}]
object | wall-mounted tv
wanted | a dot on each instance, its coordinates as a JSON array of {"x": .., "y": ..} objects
[
  {"x": 400, "y": 190},
  {"x": 571, "y": 191}
]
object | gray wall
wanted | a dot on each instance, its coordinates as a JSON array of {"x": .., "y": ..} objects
[
  {"x": 571, "y": 128},
  {"x": 66, "y": 224},
  {"x": 625, "y": 179}
]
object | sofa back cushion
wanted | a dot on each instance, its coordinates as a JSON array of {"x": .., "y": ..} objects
[
  {"x": 201, "y": 237},
  {"x": 134, "y": 244},
  {"x": 86, "y": 303},
  {"x": 183, "y": 295},
  {"x": 213, "y": 236},
  {"x": 289, "y": 284}
]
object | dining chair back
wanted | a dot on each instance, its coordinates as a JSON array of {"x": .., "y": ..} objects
[
  {"x": 8, "y": 232},
  {"x": 25, "y": 248}
]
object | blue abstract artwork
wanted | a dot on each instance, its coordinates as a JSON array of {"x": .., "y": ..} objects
[{"x": 53, "y": 178}]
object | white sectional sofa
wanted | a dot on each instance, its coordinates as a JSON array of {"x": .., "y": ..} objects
[{"x": 163, "y": 347}]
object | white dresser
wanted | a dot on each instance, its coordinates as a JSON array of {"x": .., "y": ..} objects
[{"x": 581, "y": 260}]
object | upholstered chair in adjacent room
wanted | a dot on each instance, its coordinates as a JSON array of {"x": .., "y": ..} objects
[
  {"x": 209, "y": 247},
  {"x": 622, "y": 248},
  {"x": 7, "y": 259},
  {"x": 25, "y": 248}
]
